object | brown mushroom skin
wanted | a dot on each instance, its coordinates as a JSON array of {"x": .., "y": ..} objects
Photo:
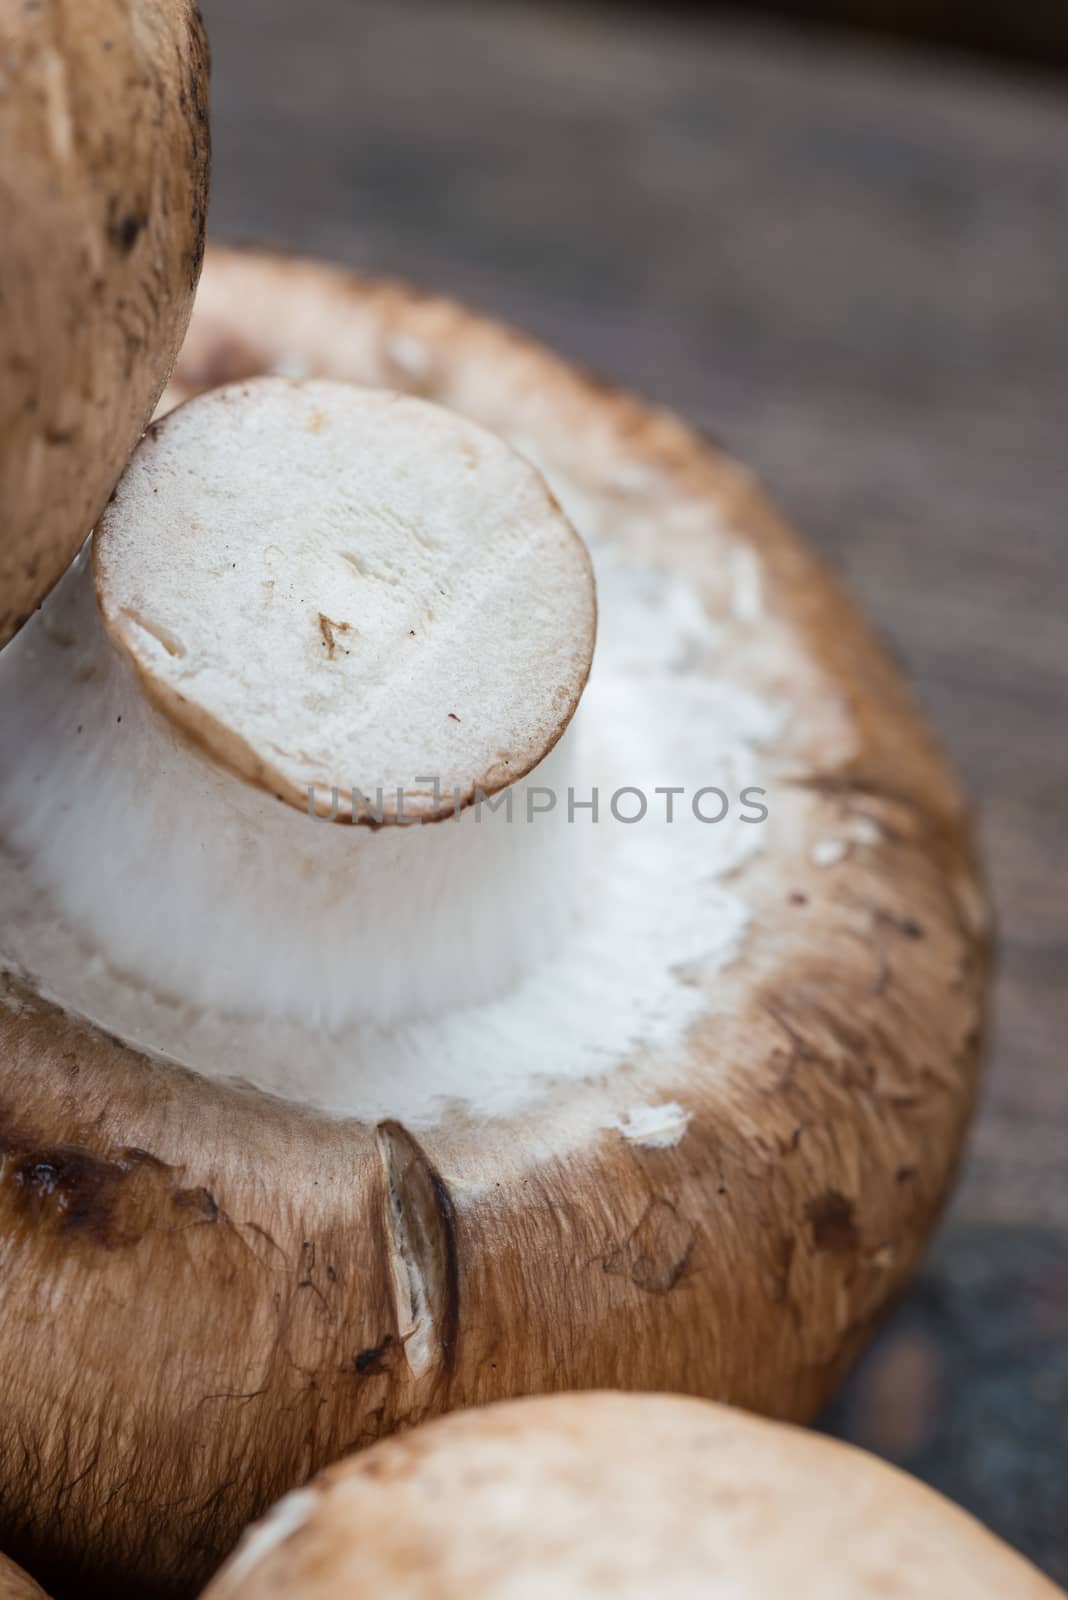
[
  {"x": 104, "y": 165},
  {"x": 202, "y": 1300},
  {"x": 16, "y": 1585}
]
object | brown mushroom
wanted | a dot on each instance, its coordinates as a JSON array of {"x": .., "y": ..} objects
[
  {"x": 678, "y": 1111},
  {"x": 636, "y": 1497},
  {"x": 16, "y": 1584},
  {"x": 104, "y": 153}
]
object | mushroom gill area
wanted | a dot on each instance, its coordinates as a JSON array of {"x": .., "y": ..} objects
[{"x": 152, "y": 881}]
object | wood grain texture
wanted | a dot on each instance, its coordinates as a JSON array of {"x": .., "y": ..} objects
[{"x": 1036, "y": 32}]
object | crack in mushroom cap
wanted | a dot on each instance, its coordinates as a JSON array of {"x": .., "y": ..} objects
[
  {"x": 332, "y": 588},
  {"x": 649, "y": 1497}
]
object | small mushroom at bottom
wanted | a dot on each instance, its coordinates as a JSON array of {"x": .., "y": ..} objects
[
  {"x": 633, "y": 1496},
  {"x": 16, "y": 1584}
]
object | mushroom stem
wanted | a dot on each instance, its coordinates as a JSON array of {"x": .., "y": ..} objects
[
  {"x": 204, "y": 889},
  {"x": 346, "y": 600}
]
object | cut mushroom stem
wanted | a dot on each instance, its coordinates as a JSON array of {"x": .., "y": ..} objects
[{"x": 308, "y": 604}]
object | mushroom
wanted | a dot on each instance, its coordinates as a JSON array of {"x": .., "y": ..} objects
[
  {"x": 633, "y": 1496},
  {"x": 16, "y": 1584},
  {"x": 380, "y": 616},
  {"x": 322, "y": 1115},
  {"x": 104, "y": 154}
]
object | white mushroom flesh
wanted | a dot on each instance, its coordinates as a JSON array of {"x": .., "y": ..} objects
[{"x": 389, "y": 971}]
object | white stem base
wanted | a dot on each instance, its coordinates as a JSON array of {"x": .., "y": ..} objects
[{"x": 206, "y": 891}]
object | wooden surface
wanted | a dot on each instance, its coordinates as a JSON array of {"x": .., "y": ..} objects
[
  {"x": 852, "y": 270},
  {"x": 1035, "y": 31}
]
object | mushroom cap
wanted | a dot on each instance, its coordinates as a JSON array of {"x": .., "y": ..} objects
[
  {"x": 718, "y": 1195},
  {"x": 347, "y": 588},
  {"x": 630, "y": 1496},
  {"x": 16, "y": 1584},
  {"x": 104, "y": 157}
]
